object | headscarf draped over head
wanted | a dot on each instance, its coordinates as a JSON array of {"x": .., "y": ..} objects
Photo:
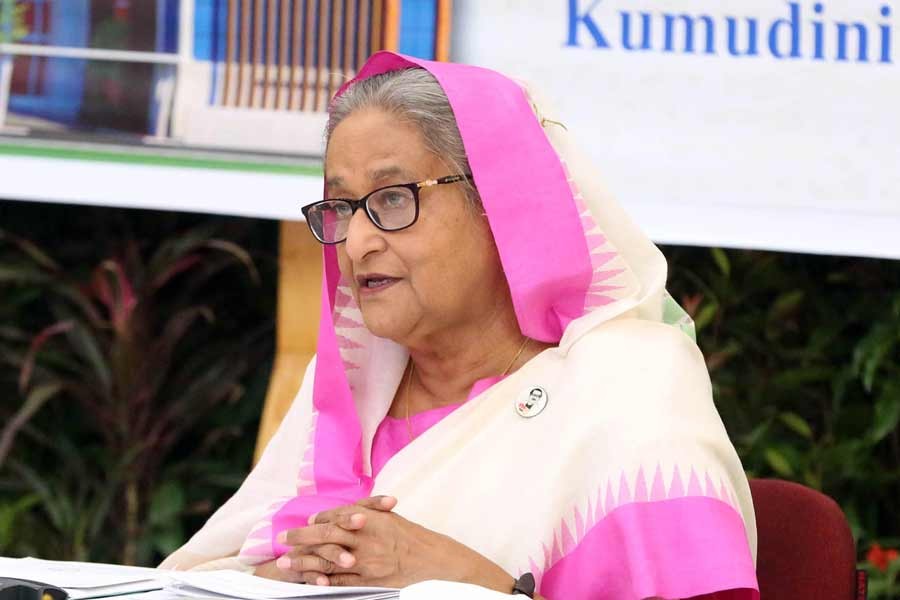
[{"x": 571, "y": 256}]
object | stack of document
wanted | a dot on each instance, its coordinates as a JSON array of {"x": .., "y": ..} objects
[
  {"x": 227, "y": 585},
  {"x": 88, "y": 581},
  {"x": 83, "y": 580}
]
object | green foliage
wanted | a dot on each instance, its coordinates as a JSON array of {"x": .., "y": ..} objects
[
  {"x": 884, "y": 583},
  {"x": 804, "y": 355},
  {"x": 883, "y": 568},
  {"x": 124, "y": 360}
]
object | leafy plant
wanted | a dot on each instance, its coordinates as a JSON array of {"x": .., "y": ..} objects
[
  {"x": 9, "y": 517},
  {"x": 804, "y": 355},
  {"x": 133, "y": 355}
]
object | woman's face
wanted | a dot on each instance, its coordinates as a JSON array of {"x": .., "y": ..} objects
[{"x": 439, "y": 274}]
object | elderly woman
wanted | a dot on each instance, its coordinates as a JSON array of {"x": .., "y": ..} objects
[{"x": 504, "y": 395}]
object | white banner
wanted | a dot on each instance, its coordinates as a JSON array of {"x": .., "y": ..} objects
[
  {"x": 764, "y": 124},
  {"x": 238, "y": 192}
]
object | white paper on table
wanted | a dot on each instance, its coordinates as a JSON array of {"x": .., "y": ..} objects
[
  {"x": 154, "y": 595},
  {"x": 450, "y": 590},
  {"x": 164, "y": 594},
  {"x": 94, "y": 580},
  {"x": 77, "y": 575},
  {"x": 121, "y": 589},
  {"x": 233, "y": 584}
]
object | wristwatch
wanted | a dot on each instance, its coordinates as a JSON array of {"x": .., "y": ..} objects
[{"x": 524, "y": 585}]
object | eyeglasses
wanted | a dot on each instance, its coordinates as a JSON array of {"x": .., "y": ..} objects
[{"x": 390, "y": 208}]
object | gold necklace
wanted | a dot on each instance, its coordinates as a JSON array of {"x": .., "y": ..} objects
[
  {"x": 412, "y": 369},
  {"x": 515, "y": 358}
]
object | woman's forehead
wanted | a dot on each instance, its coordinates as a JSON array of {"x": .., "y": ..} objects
[
  {"x": 374, "y": 146},
  {"x": 376, "y": 174}
]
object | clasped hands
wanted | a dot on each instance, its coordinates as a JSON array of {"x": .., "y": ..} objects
[{"x": 366, "y": 544}]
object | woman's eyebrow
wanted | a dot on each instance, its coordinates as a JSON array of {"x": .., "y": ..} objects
[
  {"x": 375, "y": 176},
  {"x": 385, "y": 173}
]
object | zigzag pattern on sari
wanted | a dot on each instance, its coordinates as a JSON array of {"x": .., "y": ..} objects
[
  {"x": 667, "y": 519},
  {"x": 351, "y": 337}
]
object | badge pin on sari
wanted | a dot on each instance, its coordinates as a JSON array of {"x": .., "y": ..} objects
[{"x": 532, "y": 402}]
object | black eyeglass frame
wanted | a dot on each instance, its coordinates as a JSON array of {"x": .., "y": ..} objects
[{"x": 363, "y": 203}]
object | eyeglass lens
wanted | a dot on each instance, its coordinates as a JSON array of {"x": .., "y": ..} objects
[{"x": 390, "y": 209}]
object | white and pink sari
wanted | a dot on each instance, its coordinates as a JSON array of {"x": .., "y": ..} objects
[{"x": 624, "y": 487}]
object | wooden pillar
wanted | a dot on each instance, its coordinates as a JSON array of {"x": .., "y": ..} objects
[
  {"x": 391, "y": 30},
  {"x": 297, "y": 323},
  {"x": 442, "y": 30}
]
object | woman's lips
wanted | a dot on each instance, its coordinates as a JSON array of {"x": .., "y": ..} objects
[{"x": 375, "y": 283}]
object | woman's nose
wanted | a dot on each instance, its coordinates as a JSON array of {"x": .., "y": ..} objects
[{"x": 363, "y": 237}]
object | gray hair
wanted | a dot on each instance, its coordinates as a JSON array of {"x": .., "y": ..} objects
[{"x": 415, "y": 96}]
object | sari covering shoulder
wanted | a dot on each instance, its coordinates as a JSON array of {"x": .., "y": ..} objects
[{"x": 627, "y": 484}]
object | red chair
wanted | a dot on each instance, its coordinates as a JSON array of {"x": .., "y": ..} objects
[{"x": 806, "y": 550}]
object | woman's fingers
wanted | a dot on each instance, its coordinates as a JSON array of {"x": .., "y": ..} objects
[
  {"x": 379, "y": 503},
  {"x": 270, "y": 570},
  {"x": 329, "y": 516},
  {"x": 350, "y": 520},
  {"x": 313, "y": 578},
  {"x": 382, "y": 503},
  {"x": 345, "y": 580},
  {"x": 314, "y": 563},
  {"x": 335, "y": 554},
  {"x": 316, "y": 535},
  {"x": 305, "y": 563}
]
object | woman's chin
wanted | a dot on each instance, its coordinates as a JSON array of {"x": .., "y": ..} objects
[{"x": 384, "y": 326}]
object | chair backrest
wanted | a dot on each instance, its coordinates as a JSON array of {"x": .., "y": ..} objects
[{"x": 806, "y": 550}]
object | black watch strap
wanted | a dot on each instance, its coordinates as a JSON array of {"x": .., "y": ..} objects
[{"x": 524, "y": 585}]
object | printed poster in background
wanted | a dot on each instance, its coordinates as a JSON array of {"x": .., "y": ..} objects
[
  {"x": 112, "y": 96},
  {"x": 162, "y": 104},
  {"x": 765, "y": 124},
  {"x": 248, "y": 77}
]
